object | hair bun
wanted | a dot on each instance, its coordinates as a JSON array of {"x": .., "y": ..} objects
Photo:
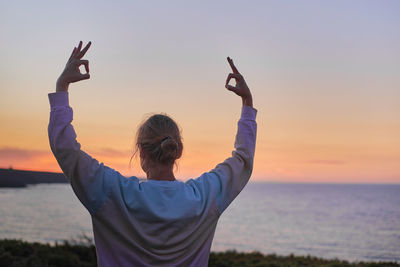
[
  {"x": 159, "y": 136},
  {"x": 169, "y": 149}
]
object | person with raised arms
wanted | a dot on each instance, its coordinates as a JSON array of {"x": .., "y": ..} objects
[{"x": 160, "y": 221}]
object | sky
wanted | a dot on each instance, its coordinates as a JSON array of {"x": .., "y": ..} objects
[{"x": 325, "y": 79}]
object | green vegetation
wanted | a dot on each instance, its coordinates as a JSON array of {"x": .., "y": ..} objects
[
  {"x": 19, "y": 253},
  {"x": 256, "y": 259},
  {"x": 82, "y": 253}
]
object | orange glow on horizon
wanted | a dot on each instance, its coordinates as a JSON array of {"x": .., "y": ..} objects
[{"x": 276, "y": 167}]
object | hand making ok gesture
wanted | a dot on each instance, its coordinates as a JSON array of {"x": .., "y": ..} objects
[
  {"x": 71, "y": 72},
  {"x": 241, "y": 88}
]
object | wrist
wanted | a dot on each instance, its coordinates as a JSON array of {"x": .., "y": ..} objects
[
  {"x": 61, "y": 86},
  {"x": 247, "y": 100}
]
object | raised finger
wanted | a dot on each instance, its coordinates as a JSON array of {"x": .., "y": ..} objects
[
  {"x": 234, "y": 69},
  {"x": 77, "y": 50},
  {"x": 73, "y": 52},
  {"x": 79, "y": 46},
  {"x": 84, "y": 50}
]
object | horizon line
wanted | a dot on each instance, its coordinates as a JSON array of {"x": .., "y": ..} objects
[{"x": 251, "y": 180}]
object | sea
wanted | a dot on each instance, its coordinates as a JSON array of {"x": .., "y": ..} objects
[{"x": 354, "y": 222}]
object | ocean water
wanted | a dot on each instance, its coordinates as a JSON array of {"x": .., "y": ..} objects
[{"x": 353, "y": 222}]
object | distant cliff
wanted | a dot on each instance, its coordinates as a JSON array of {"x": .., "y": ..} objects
[{"x": 18, "y": 178}]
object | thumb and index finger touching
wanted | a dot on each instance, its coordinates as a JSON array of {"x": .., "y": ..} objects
[
  {"x": 78, "y": 54},
  {"x": 235, "y": 75},
  {"x": 75, "y": 61},
  {"x": 85, "y": 63}
]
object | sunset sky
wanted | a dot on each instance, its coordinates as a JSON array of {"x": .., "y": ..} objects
[{"x": 325, "y": 78}]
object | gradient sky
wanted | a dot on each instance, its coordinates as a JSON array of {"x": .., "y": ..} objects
[{"x": 325, "y": 77}]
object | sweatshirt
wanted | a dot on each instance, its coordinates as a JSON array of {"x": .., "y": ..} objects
[{"x": 151, "y": 222}]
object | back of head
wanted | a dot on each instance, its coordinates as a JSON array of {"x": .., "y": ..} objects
[{"x": 160, "y": 138}]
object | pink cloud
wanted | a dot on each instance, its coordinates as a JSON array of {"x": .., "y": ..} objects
[
  {"x": 111, "y": 152},
  {"x": 13, "y": 153},
  {"x": 43, "y": 159},
  {"x": 327, "y": 162}
]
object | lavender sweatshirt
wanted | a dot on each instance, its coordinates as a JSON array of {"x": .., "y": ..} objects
[{"x": 150, "y": 223}]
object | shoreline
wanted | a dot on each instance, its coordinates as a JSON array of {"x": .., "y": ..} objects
[
  {"x": 12, "y": 178},
  {"x": 82, "y": 253}
]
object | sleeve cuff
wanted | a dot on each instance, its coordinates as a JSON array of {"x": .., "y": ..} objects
[
  {"x": 58, "y": 99},
  {"x": 248, "y": 113}
]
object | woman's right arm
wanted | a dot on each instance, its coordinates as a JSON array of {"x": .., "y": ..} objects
[{"x": 90, "y": 180}]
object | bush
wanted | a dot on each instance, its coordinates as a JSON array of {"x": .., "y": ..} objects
[
  {"x": 82, "y": 253},
  {"x": 20, "y": 253}
]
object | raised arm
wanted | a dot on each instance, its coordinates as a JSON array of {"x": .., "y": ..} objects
[
  {"x": 89, "y": 179},
  {"x": 241, "y": 88},
  {"x": 228, "y": 178}
]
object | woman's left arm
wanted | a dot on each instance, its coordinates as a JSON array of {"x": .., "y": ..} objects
[
  {"x": 228, "y": 178},
  {"x": 89, "y": 179}
]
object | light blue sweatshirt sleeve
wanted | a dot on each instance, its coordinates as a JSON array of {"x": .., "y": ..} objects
[
  {"x": 228, "y": 178},
  {"x": 90, "y": 180}
]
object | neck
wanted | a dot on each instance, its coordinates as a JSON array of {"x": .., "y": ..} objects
[{"x": 161, "y": 172}]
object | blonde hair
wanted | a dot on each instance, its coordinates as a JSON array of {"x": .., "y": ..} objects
[{"x": 160, "y": 137}]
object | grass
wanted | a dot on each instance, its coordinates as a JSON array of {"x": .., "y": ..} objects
[{"x": 16, "y": 253}]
